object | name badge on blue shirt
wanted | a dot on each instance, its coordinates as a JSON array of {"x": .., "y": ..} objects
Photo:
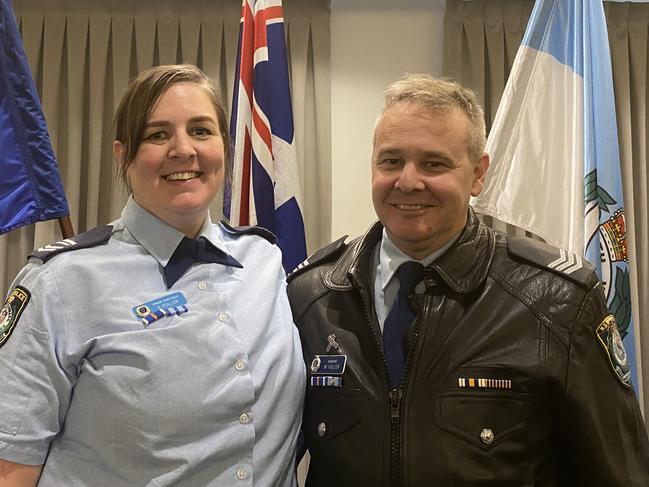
[
  {"x": 171, "y": 304},
  {"x": 328, "y": 364}
]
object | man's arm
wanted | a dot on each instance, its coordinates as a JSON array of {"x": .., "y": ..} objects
[
  {"x": 17, "y": 475},
  {"x": 604, "y": 437}
]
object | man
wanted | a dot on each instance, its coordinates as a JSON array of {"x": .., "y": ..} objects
[{"x": 508, "y": 370}]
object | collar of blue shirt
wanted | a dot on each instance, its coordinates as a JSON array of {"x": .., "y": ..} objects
[
  {"x": 386, "y": 259},
  {"x": 391, "y": 257},
  {"x": 159, "y": 238}
]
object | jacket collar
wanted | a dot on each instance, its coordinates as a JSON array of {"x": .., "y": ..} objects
[
  {"x": 353, "y": 265},
  {"x": 463, "y": 267}
]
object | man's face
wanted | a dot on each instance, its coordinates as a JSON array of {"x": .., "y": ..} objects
[{"x": 422, "y": 177}]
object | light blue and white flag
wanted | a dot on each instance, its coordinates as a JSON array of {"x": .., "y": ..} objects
[
  {"x": 265, "y": 187},
  {"x": 554, "y": 148}
]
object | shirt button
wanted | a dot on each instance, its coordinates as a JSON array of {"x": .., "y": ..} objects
[
  {"x": 242, "y": 474},
  {"x": 244, "y": 418},
  {"x": 223, "y": 317},
  {"x": 202, "y": 285},
  {"x": 239, "y": 365}
]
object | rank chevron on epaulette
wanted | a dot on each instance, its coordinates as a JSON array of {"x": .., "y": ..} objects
[
  {"x": 567, "y": 262},
  {"x": 302, "y": 264},
  {"x": 57, "y": 245}
]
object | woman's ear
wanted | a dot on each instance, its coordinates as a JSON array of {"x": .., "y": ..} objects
[{"x": 118, "y": 150}]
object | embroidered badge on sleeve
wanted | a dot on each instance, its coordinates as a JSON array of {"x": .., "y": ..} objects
[
  {"x": 11, "y": 311},
  {"x": 609, "y": 337}
]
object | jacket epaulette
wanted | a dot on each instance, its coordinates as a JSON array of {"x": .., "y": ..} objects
[
  {"x": 324, "y": 254},
  {"x": 251, "y": 230},
  {"x": 559, "y": 261},
  {"x": 92, "y": 238}
]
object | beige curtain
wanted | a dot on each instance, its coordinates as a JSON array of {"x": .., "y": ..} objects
[
  {"x": 82, "y": 54},
  {"x": 481, "y": 38}
]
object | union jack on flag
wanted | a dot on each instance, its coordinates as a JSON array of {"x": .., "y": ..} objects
[{"x": 265, "y": 185}]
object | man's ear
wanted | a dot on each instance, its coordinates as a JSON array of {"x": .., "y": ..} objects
[{"x": 479, "y": 173}]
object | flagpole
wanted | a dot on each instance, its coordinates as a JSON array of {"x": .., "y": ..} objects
[{"x": 65, "y": 224}]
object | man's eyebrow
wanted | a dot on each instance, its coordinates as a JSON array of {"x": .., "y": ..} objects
[
  {"x": 390, "y": 151},
  {"x": 437, "y": 155}
]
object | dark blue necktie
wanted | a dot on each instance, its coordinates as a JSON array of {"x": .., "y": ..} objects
[
  {"x": 190, "y": 251},
  {"x": 399, "y": 319}
]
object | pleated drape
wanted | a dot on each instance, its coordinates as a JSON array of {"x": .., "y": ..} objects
[
  {"x": 481, "y": 38},
  {"x": 628, "y": 34},
  {"x": 82, "y": 54}
]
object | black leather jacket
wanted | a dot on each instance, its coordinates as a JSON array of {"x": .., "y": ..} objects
[{"x": 507, "y": 382}]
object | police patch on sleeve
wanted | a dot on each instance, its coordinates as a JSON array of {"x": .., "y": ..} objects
[
  {"x": 609, "y": 337},
  {"x": 11, "y": 311}
]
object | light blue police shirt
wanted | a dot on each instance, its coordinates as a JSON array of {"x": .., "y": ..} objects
[
  {"x": 386, "y": 259},
  {"x": 209, "y": 397}
]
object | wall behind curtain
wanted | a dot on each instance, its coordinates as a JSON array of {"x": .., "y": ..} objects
[
  {"x": 481, "y": 38},
  {"x": 82, "y": 54}
]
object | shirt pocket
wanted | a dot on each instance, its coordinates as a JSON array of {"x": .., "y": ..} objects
[
  {"x": 485, "y": 419},
  {"x": 485, "y": 437},
  {"x": 329, "y": 412}
]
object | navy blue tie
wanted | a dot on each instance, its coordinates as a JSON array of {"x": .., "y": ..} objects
[
  {"x": 190, "y": 251},
  {"x": 399, "y": 319}
]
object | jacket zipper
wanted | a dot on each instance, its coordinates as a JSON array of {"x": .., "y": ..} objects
[
  {"x": 395, "y": 435},
  {"x": 395, "y": 395},
  {"x": 396, "y": 399},
  {"x": 395, "y": 405}
]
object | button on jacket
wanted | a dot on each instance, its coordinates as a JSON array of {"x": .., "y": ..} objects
[
  {"x": 209, "y": 394},
  {"x": 507, "y": 382}
]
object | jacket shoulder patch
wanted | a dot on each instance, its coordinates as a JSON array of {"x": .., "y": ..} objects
[
  {"x": 559, "y": 261},
  {"x": 324, "y": 254},
  {"x": 92, "y": 238},
  {"x": 611, "y": 340},
  {"x": 252, "y": 230}
]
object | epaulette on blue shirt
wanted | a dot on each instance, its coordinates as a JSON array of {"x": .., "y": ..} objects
[
  {"x": 324, "y": 254},
  {"x": 559, "y": 261},
  {"x": 252, "y": 230},
  {"x": 91, "y": 238}
]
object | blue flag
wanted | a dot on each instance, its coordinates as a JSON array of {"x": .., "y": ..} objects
[
  {"x": 265, "y": 188},
  {"x": 554, "y": 147},
  {"x": 30, "y": 184}
]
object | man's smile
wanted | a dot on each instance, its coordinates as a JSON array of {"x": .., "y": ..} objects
[{"x": 410, "y": 207}]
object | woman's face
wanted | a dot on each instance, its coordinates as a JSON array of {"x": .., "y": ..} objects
[{"x": 179, "y": 166}]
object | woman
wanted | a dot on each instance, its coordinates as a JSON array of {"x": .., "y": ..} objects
[{"x": 159, "y": 350}]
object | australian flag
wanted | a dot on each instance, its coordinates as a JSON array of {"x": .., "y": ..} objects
[
  {"x": 30, "y": 185},
  {"x": 265, "y": 185}
]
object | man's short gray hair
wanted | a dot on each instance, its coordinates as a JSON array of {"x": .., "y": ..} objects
[{"x": 441, "y": 94}]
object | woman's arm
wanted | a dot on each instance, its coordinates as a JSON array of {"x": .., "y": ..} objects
[{"x": 17, "y": 475}]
